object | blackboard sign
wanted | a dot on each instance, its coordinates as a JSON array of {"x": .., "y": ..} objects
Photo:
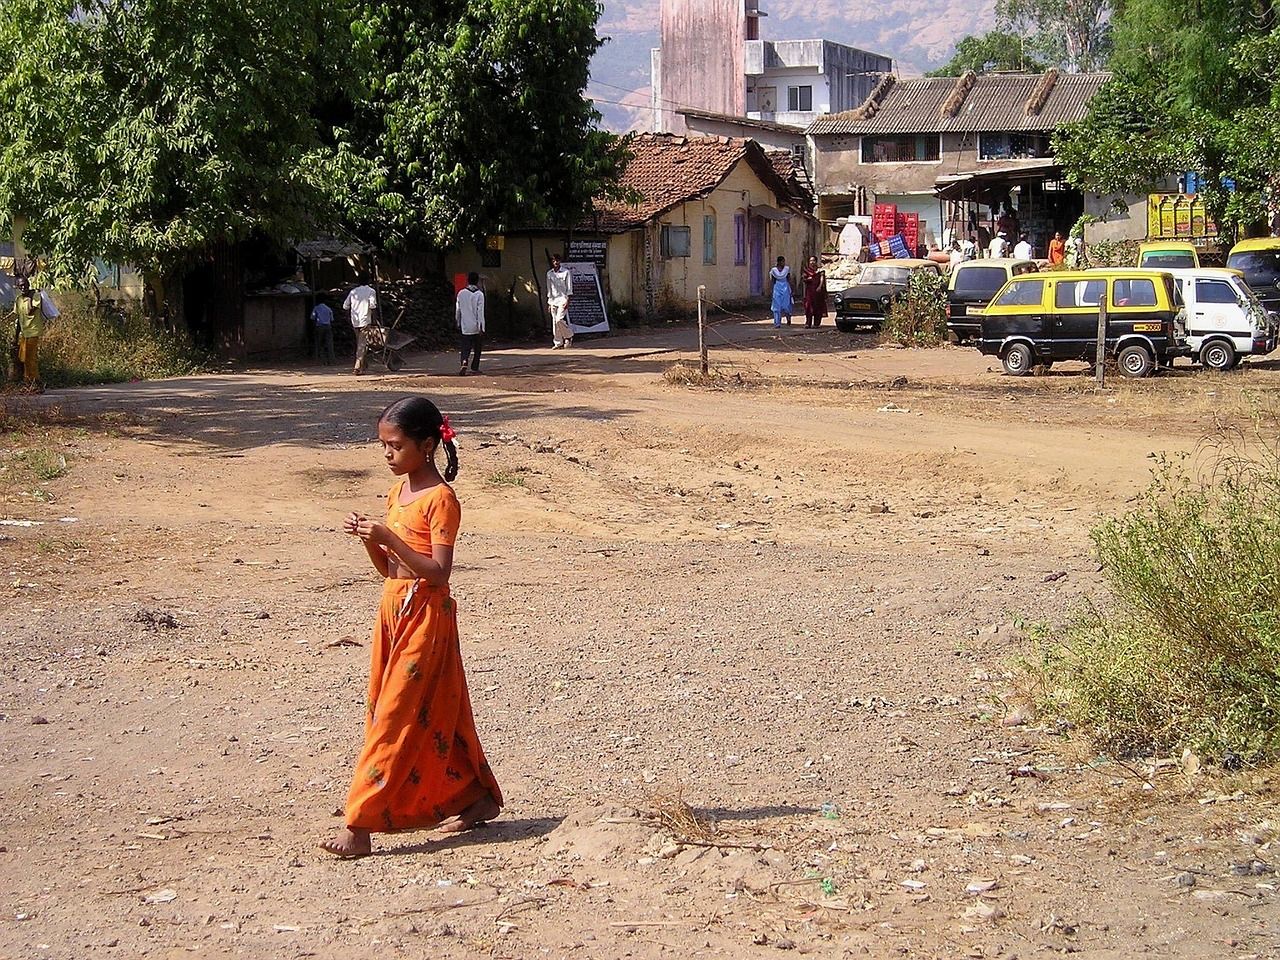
[
  {"x": 587, "y": 251},
  {"x": 586, "y": 306}
]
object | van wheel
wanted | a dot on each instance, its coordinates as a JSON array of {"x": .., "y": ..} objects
[
  {"x": 1017, "y": 360},
  {"x": 1218, "y": 355},
  {"x": 1135, "y": 361}
]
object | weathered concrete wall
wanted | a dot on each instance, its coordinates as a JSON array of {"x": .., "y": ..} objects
[{"x": 701, "y": 63}]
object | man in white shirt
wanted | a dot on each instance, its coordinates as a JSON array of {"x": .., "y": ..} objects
[
  {"x": 469, "y": 312},
  {"x": 969, "y": 249},
  {"x": 559, "y": 292},
  {"x": 361, "y": 302},
  {"x": 998, "y": 247},
  {"x": 1023, "y": 250}
]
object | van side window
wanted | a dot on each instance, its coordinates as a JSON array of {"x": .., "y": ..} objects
[
  {"x": 1133, "y": 293},
  {"x": 1078, "y": 293},
  {"x": 1025, "y": 293},
  {"x": 1214, "y": 291}
]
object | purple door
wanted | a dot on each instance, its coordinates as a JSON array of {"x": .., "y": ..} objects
[{"x": 755, "y": 251}]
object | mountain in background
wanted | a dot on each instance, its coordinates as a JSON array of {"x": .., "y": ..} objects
[{"x": 918, "y": 35}]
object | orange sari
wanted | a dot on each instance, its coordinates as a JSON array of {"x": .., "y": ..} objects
[{"x": 421, "y": 762}]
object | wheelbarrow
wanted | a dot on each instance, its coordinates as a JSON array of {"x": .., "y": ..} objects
[{"x": 385, "y": 344}]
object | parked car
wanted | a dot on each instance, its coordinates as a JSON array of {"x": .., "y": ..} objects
[
  {"x": 1168, "y": 254},
  {"x": 1037, "y": 319},
  {"x": 1225, "y": 319},
  {"x": 865, "y": 303},
  {"x": 972, "y": 285},
  {"x": 1259, "y": 261}
]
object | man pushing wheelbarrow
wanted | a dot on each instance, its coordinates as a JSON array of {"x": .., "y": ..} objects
[{"x": 385, "y": 343}]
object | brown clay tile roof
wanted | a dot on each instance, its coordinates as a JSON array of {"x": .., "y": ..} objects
[
  {"x": 995, "y": 102},
  {"x": 667, "y": 170}
]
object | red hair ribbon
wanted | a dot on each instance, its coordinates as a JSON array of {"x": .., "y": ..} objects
[{"x": 446, "y": 431}]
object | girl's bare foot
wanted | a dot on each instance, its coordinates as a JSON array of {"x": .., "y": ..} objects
[
  {"x": 482, "y": 811},
  {"x": 350, "y": 843}
]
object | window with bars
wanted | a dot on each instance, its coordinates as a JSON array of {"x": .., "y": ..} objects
[{"x": 909, "y": 148}]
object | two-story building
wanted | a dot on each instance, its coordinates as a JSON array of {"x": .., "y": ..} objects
[
  {"x": 961, "y": 153},
  {"x": 712, "y": 63}
]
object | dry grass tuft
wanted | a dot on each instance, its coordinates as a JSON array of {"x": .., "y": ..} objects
[
  {"x": 680, "y": 819},
  {"x": 687, "y": 373}
]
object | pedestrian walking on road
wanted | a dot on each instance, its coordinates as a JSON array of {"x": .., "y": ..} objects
[
  {"x": 421, "y": 765},
  {"x": 469, "y": 312}
]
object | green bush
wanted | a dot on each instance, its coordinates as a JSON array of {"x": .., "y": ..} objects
[
  {"x": 85, "y": 345},
  {"x": 919, "y": 317},
  {"x": 1188, "y": 655}
]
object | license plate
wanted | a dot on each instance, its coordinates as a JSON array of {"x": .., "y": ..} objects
[
  {"x": 857, "y": 306},
  {"x": 1146, "y": 327}
]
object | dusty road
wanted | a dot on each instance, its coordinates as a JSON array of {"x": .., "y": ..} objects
[{"x": 741, "y": 658}]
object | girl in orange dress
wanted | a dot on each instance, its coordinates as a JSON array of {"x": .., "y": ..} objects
[{"x": 421, "y": 764}]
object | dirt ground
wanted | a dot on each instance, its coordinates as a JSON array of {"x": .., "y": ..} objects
[{"x": 742, "y": 658}]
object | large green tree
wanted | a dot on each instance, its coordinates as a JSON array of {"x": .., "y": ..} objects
[
  {"x": 149, "y": 131},
  {"x": 475, "y": 120},
  {"x": 145, "y": 130},
  {"x": 1194, "y": 89},
  {"x": 1072, "y": 34},
  {"x": 994, "y": 50}
]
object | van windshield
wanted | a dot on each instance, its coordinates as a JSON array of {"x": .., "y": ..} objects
[{"x": 1261, "y": 267}]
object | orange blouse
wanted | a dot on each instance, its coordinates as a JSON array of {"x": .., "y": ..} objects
[{"x": 431, "y": 518}]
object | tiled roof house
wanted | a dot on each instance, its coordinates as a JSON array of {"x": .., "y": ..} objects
[{"x": 709, "y": 211}]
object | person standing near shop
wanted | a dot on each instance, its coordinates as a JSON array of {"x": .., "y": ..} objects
[
  {"x": 559, "y": 293},
  {"x": 361, "y": 302},
  {"x": 815, "y": 294},
  {"x": 1057, "y": 250},
  {"x": 469, "y": 312},
  {"x": 781, "y": 292}
]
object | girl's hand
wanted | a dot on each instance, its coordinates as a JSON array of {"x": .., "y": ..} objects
[
  {"x": 370, "y": 531},
  {"x": 351, "y": 523}
]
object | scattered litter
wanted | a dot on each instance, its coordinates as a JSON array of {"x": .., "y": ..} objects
[
  {"x": 21, "y": 523},
  {"x": 892, "y": 407},
  {"x": 161, "y": 896}
]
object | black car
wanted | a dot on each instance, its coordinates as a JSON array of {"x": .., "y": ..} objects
[
  {"x": 866, "y": 302},
  {"x": 972, "y": 285}
]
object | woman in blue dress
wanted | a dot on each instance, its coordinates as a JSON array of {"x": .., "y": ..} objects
[{"x": 780, "y": 278}]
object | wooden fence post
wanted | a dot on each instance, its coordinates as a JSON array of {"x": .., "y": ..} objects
[{"x": 702, "y": 326}]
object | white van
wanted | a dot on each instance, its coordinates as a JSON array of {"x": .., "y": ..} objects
[{"x": 1225, "y": 319}]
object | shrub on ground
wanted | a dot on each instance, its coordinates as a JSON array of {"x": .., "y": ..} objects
[
  {"x": 919, "y": 317},
  {"x": 87, "y": 345},
  {"x": 1188, "y": 654}
]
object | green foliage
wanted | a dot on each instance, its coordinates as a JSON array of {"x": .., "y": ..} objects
[
  {"x": 919, "y": 317},
  {"x": 474, "y": 111},
  {"x": 1127, "y": 142},
  {"x": 1074, "y": 34},
  {"x": 1111, "y": 253},
  {"x": 1195, "y": 88},
  {"x": 141, "y": 132},
  {"x": 1189, "y": 656},
  {"x": 994, "y": 50},
  {"x": 82, "y": 346}
]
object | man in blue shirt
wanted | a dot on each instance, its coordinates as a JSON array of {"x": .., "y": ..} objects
[{"x": 322, "y": 317}]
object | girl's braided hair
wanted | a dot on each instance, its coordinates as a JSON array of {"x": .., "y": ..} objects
[{"x": 421, "y": 420}]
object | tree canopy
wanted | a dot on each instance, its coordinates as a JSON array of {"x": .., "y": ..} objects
[
  {"x": 146, "y": 131},
  {"x": 994, "y": 50},
  {"x": 1195, "y": 88}
]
